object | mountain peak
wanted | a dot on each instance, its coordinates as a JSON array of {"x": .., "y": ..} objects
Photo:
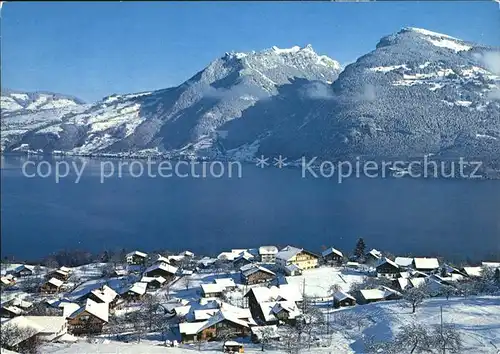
[{"x": 425, "y": 36}]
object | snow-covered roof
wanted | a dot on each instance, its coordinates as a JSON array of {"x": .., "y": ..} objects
[
  {"x": 201, "y": 315},
  {"x": 65, "y": 269},
  {"x": 373, "y": 294},
  {"x": 232, "y": 343},
  {"x": 188, "y": 253},
  {"x": 99, "y": 310},
  {"x": 21, "y": 303},
  {"x": 288, "y": 306},
  {"x": 426, "y": 263},
  {"x": 403, "y": 261},
  {"x": 352, "y": 264},
  {"x": 211, "y": 288},
  {"x": 292, "y": 268},
  {"x": 137, "y": 253},
  {"x": 225, "y": 282},
  {"x": 288, "y": 292},
  {"x": 162, "y": 266},
  {"x": 375, "y": 253},
  {"x": 491, "y": 264},
  {"x": 331, "y": 250},
  {"x": 24, "y": 267},
  {"x": 250, "y": 269},
  {"x": 105, "y": 294},
  {"x": 473, "y": 271},
  {"x": 288, "y": 253},
  {"x": 416, "y": 282},
  {"x": 223, "y": 316},
  {"x": 190, "y": 328},
  {"x": 48, "y": 324},
  {"x": 388, "y": 261},
  {"x": 55, "y": 282},
  {"x": 341, "y": 295},
  {"x": 13, "y": 309},
  {"x": 139, "y": 288},
  {"x": 159, "y": 279},
  {"x": 159, "y": 258},
  {"x": 268, "y": 250}
]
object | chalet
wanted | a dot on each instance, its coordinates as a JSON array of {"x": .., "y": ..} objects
[
  {"x": 153, "y": 282},
  {"x": 261, "y": 301},
  {"x": 426, "y": 265},
  {"x": 23, "y": 271},
  {"x": 9, "y": 311},
  {"x": 104, "y": 295},
  {"x": 206, "y": 262},
  {"x": 89, "y": 319},
  {"x": 387, "y": 268},
  {"x": 59, "y": 274},
  {"x": 286, "y": 311},
  {"x": 158, "y": 258},
  {"x": 242, "y": 260},
  {"x": 408, "y": 283},
  {"x": 301, "y": 258},
  {"x": 22, "y": 304},
  {"x": 292, "y": 270},
  {"x": 383, "y": 293},
  {"x": 51, "y": 286},
  {"x": 136, "y": 257},
  {"x": 161, "y": 270},
  {"x": 404, "y": 262},
  {"x": 472, "y": 272},
  {"x": 7, "y": 280},
  {"x": 267, "y": 254},
  {"x": 255, "y": 274},
  {"x": 226, "y": 283},
  {"x": 332, "y": 256},
  {"x": 211, "y": 290},
  {"x": 134, "y": 292},
  {"x": 373, "y": 257},
  {"x": 221, "y": 325},
  {"x": 341, "y": 299}
]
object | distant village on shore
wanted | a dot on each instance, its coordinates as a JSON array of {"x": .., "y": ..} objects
[{"x": 264, "y": 297}]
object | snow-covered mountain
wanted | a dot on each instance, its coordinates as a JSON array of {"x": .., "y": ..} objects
[{"x": 418, "y": 92}]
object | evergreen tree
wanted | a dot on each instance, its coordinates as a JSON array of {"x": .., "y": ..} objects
[{"x": 359, "y": 251}]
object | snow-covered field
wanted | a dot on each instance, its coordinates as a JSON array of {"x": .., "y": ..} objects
[{"x": 477, "y": 318}]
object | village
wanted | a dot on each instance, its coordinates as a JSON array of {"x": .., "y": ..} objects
[{"x": 284, "y": 300}]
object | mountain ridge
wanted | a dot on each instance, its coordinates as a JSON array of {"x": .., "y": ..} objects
[{"x": 417, "y": 92}]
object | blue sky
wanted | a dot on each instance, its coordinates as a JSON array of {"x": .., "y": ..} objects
[{"x": 91, "y": 50}]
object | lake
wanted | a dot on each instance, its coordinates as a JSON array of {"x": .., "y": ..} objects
[{"x": 453, "y": 218}]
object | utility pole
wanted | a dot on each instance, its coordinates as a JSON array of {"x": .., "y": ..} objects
[{"x": 442, "y": 335}]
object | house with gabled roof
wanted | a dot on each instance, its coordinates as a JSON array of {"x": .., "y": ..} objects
[
  {"x": 366, "y": 296},
  {"x": 23, "y": 270},
  {"x": 267, "y": 254},
  {"x": 332, "y": 256},
  {"x": 473, "y": 272},
  {"x": 136, "y": 258},
  {"x": 104, "y": 295},
  {"x": 59, "y": 274},
  {"x": 89, "y": 318},
  {"x": 154, "y": 282},
  {"x": 426, "y": 265},
  {"x": 341, "y": 299},
  {"x": 51, "y": 286},
  {"x": 7, "y": 280},
  {"x": 134, "y": 291},
  {"x": 373, "y": 257},
  {"x": 221, "y": 325},
  {"x": 387, "y": 268},
  {"x": 296, "y": 256},
  {"x": 255, "y": 274},
  {"x": 166, "y": 271},
  {"x": 404, "y": 262}
]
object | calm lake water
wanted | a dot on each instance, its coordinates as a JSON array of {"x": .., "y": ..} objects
[{"x": 454, "y": 218}]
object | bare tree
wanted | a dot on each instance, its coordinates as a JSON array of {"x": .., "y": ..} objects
[
  {"x": 447, "y": 291},
  {"x": 447, "y": 337},
  {"x": 415, "y": 296},
  {"x": 413, "y": 337},
  {"x": 186, "y": 281},
  {"x": 266, "y": 335},
  {"x": 290, "y": 342},
  {"x": 22, "y": 339}
]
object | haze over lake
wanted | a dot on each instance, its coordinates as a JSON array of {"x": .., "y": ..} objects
[{"x": 453, "y": 218}]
